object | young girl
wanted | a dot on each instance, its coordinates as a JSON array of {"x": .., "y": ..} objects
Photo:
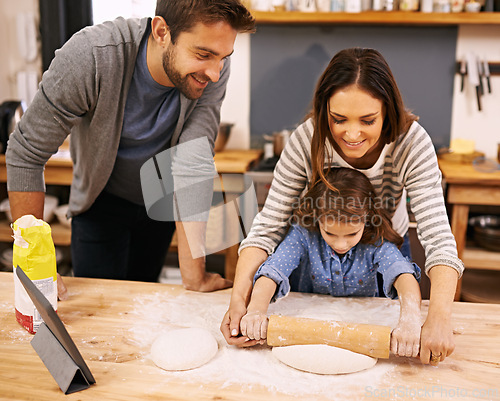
[{"x": 340, "y": 242}]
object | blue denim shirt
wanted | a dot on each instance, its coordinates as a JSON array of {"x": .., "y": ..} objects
[{"x": 304, "y": 262}]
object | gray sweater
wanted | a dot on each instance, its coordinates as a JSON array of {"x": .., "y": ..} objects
[{"x": 83, "y": 93}]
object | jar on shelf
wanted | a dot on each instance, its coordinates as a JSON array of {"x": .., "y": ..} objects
[
  {"x": 409, "y": 5},
  {"x": 261, "y": 5},
  {"x": 442, "y": 6},
  {"x": 426, "y": 6},
  {"x": 278, "y": 5},
  {"x": 337, "y": 5},
  {"x": 352, "y": 6}
]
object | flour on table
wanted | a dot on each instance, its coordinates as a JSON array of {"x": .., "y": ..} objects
[
  {"x": 256, "y": 366},
  {"x": 183, "y": 349},
  {"x": 323, "y": 359}
]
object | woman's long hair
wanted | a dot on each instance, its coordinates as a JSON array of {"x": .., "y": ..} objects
[
  {"x": 367, "y": 69},
  {"x": 353, "y": 200}
]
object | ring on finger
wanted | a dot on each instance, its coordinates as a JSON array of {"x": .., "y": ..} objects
[{"x": 435, "y": 358}]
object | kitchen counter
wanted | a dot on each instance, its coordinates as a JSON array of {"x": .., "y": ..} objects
[
  {"x": 465, "y": 187},
  {"x": 113, "y": 323}
]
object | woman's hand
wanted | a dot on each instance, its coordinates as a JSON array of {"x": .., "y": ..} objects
[
  {"x": 405, "y": 338},
  {"x": 230, "y": 326},
  {"x": 249, "y": 261},
  {"x": 437, "y": 341},
  {"x": 254, "y": 326}
]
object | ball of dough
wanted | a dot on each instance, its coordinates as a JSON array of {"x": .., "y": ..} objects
[
  {"x": 184, "y": 349},
  {"x": 323, "y": 359}
]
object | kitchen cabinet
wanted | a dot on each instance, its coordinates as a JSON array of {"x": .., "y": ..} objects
[
  {"x": 377, "y": 18},
  {"x": 465, "y": 187}
]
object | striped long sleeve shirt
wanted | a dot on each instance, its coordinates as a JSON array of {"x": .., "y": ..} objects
[{"x": 407, "y": 166}]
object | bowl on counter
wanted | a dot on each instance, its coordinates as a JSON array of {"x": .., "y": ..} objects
[
  {"x": 60, "y": 213},
  {"x": 50, "y": 205},
  {"x": 222, "y": 136},
  {"x": 487, "y": 231}
]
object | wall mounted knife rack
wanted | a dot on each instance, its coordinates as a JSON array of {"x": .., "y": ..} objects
[{"x": 494, "y": 68}]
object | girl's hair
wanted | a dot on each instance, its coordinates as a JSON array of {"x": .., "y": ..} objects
[
  {"x": 368, "y": 70},
  {"x": 352, "y": 200},
  {"x": 182, "y": 15}
]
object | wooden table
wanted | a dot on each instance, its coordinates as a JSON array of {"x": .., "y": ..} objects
[
  {"x": 466, "y": 186},
  {"x": 105, "y": 321},
  {"x": 59, "y": 171}
]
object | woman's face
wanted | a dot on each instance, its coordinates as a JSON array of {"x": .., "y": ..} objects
[{"x": 355, "y": 120}]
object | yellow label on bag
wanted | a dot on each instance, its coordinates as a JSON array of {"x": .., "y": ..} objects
[
  {"x": 34, "y": 253},
  {"x": 34, "y": 250}
]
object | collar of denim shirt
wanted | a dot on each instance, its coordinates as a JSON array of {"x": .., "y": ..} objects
[{"x": 327, "y": 252}]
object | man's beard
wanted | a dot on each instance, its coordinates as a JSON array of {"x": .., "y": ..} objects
[{"x": 180, "y": 82}]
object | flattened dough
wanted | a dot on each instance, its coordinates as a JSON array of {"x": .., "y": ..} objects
[
  {"x": 323, "y": 359},
  {"x": 184, "y": 349}
]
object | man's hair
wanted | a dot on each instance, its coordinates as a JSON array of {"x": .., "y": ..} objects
[{"x": 183, "y": 15}]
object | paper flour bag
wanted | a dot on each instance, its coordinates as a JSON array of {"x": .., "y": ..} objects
[{"x": 35, "y": 254}]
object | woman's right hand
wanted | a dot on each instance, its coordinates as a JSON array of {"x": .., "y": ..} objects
[
  {"x": 248, "y": 262},
  {"x": 230, "y": 326}
]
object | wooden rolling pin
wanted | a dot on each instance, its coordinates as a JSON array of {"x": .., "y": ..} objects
[{"x": 367, "y": 339}]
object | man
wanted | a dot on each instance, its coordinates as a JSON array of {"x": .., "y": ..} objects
[{"x": 127, "y": 90}]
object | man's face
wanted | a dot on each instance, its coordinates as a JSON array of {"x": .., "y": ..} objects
[{"x": 198, "y": 56}]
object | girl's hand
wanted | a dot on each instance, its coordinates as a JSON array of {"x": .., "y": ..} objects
[
  {"x": 254, "y": 326},
  {"x": 437, "y": 339},
  {"x": 405, "y": 338}
]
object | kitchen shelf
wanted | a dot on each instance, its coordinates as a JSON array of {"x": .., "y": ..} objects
[
  {"x": 376, "y": 18},
  {"x": 61, "y": 235},
  {"x": 479, "y": 258},
  {"x": 481, "y": 286}
]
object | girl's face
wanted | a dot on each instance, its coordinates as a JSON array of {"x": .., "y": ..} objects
[
  {"x": 355, "y": 120},
  {"x": 341, "y": 236}
]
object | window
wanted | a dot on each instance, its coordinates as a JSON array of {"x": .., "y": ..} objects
[{"x": 105, "y": 10}]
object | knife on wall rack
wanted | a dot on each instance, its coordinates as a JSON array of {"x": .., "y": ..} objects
[
  {"x": 474, "y": 78},
  {"x": 493, "y": 67},
  {"x": 486, "y": 69}
]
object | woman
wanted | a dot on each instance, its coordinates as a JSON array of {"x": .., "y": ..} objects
[{"x": 359, "y": 121}]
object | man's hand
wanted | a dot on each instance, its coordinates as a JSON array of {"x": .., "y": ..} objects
[
  {"x": 62, "y": 291},
  {"x": 191, "y": 241},
  {"x": 210, "y": 282}
]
